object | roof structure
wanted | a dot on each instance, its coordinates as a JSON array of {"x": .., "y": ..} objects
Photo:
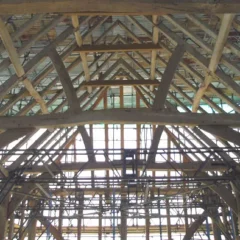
[{"x": 119, "y": 119}]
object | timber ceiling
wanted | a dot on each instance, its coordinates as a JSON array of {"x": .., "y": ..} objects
[{"x": 59, "y": 70}]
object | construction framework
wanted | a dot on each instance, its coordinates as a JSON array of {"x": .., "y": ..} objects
[{"x": 119, "y": 119}]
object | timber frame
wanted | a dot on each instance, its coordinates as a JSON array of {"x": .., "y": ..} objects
[{"x": 91, "y": 91}]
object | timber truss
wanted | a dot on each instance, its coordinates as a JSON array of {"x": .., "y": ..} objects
[{"x": 166, "y": 73}]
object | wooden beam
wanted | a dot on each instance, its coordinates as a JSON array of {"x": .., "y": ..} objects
[
  {"x": 212, "y": 33},
  {"x": 79, "y": 40},
  {"x": 112, "y": 7},
  {"x": 24, "y": 28},
  {"x": 216, "y": 56},
  {"x": 100, "y": 98},
  {"x": 26, "y": 46},
  {"x": 72, "y": 98},
  {"x": 30, "y": 65},
  {"x": 161, "y": 96},
  {"x": 120, "y": 116},
  {"x": 146, "y": 47},
  {"x": 194, "y": 226},
  {"x": 154, "y": 52},
  {"x": 64, "y": 79},
  {"x": 225, "y": 133},
  {"x": 143, "y": 98},
  {"x": 200, "y": 59}
]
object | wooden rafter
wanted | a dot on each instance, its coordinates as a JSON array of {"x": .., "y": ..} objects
[
  {"x": 8, "y": 43},
  {"x": 216, "y": 55},
  {"x": 154, "y": 52},
  {"x": 131, "y": 57}
]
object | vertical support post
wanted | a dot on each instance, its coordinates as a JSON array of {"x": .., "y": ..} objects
[
  {"x": 100, "y": 218},
  {"x": 167, "y": 201},
  {"x": 91, "y": 136},
  {"x": 113, "y": 212},
  {"x": 123, "y": 228},
  {"x": 185, "y": 201},
  {"x": 80, "y": 213},
  {"x": 138, "y": 131},
  {"x": 147, "y": 223},
  {"x": 107, "y": 197},
  {"x": 122, "y": 125}
]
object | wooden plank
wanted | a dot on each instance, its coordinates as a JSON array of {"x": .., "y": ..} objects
[
  {"x": 119, "y": 116},
  {"x": 113, "y": 7}
]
